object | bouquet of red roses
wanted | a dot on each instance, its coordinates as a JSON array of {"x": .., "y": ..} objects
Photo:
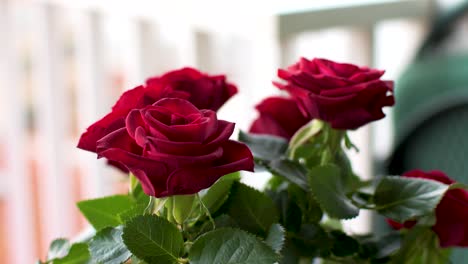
[{"x": 186, "y": 203}]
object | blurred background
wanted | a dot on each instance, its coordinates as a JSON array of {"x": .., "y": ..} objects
[{"x": 63, "y": 64}]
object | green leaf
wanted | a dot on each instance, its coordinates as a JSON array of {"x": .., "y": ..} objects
[
  {"x": 133, "y": 183},
  {"x": 182, "y": 207},
  {"x": 59, "y": 248},
  {"x": 135, "y": 260},
  {"x": 264, "y": 147},
  {"x": 304, "y": 134},
  {"x": 289, "y": 212},
  {"x": 251, "y": 209},
  {"x": 139, "y": 195},
  {"x": 224, "y": 221},
  {"x": 107, "y": 247},
  {"x": 458, "y": 185},
  {"x": 421, "y": 246},
  {"x": 327, "y": 187},
  {"x": 136, "y": 210},
  {"x": 289, "y": 254},
  {"x": 402, "y": 198},
  {"x": 153, "y": 239},
  {"x": 343, "y": 245},
  {"x": 379, "y": 247},
  {"x": 230, "y": 246},
  {"x": 311, "y": 211},
  {"x": 349, "y": 144},
  {"x": 292, "y": 171},
  {"x": 104, "y": 212},
  {"x": 218, "y": 193},
  {"x": 311, "y": 241},
  {"x": 78, "y": 254},
  {"x": 275, "y": 238}
]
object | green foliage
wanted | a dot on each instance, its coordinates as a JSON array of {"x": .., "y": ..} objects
[
  {"x": 182, "y": 207},
  {"x": 379, "y": 248},
  {"x": 136, "y": 210},
  {"x": 290, "y": 213},
  {"x": 296, "y": 219},
  {"x": 78, "y": 254},
  {"x": 264, "y": 147},
  {"x": 420, "y": 246},
  {"x": 153, "y": 239},
  {"x": 327, "y": 187},
  {"x": 303, "y": 135},
  {"x": 107, "y": 247},
  {"x": 138, "y": 195},
  {"x": 290, "y": 170},
  {"x": 402, "y": 198},
  {"x": 343, "y": 245},
  {"x": 275, "y": 237},
  {"x": 218, "y": 193},
  {"x": 104, "y": 212},
  {"x": 311, "y": 241},
  {"x": 230, "y": 246},
  {"x": 311, "y": 211},
  {"x": 251, "y": 209},
  {"x": 59, "y": 248}
]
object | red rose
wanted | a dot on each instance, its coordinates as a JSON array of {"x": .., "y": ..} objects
[
  {"x": 279, "y": 116},
  {"x": 345, "y": 95},
  {"x": 451, "y": 213},
  {"x": 174, "y": 148},
  {"x": 204, "y": 91}
]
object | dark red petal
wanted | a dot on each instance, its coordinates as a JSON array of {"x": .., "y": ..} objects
[
  {"x": 119, "y": 147},
  {"x": 193, "y": 132},
  {"x": 225, "y": 130},
  {"x": 375, "y": 86},
  {"x": 176, "y": 105},
  {"x": 176, "y": 161},
  {"x": 394, "y": 224},
  {"x": 431, "y": 175},
  {"x": 182, "y": 74},
  {"x": 133, "y": 121},
  {"x": 452, "y": 219},
  {"x": 100, "y": 129},
  {"x": 129, "y": 100},
  {"x": 279, "y": 116},
  {"x": 112, "y": 121},
  {"x": 269, "y": 126},
  {"x": 365, "y": 76},
  {"x": 236, "y": 157}
]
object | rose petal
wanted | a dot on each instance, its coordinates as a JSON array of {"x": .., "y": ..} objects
[
  {"x": 236, "y": 157},
  {"x": 119, "y": 147},
  {"x": 225, "y": 130},
  {"x": 112, "y": 121},
  {"x": 279, "y": 116}
]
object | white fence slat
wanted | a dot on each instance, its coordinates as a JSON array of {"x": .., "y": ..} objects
[
  {"x": 52, "y": 113},
  {"x": 22, "y": 246},
  {"x": 93, "y": 97},
  {"x": 146, "y": 49}
]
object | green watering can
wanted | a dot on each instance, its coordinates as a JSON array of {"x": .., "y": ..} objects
[{"x": 431, "y": 111}]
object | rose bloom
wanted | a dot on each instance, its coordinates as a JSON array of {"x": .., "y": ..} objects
[
  {"x": 278, "y": 116},
  {"x": 202, "y": 90},
  {"x": 345, "y": 95},
  {"x": 174, "y": 148},
  {"x": 451, "y": 213}
]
